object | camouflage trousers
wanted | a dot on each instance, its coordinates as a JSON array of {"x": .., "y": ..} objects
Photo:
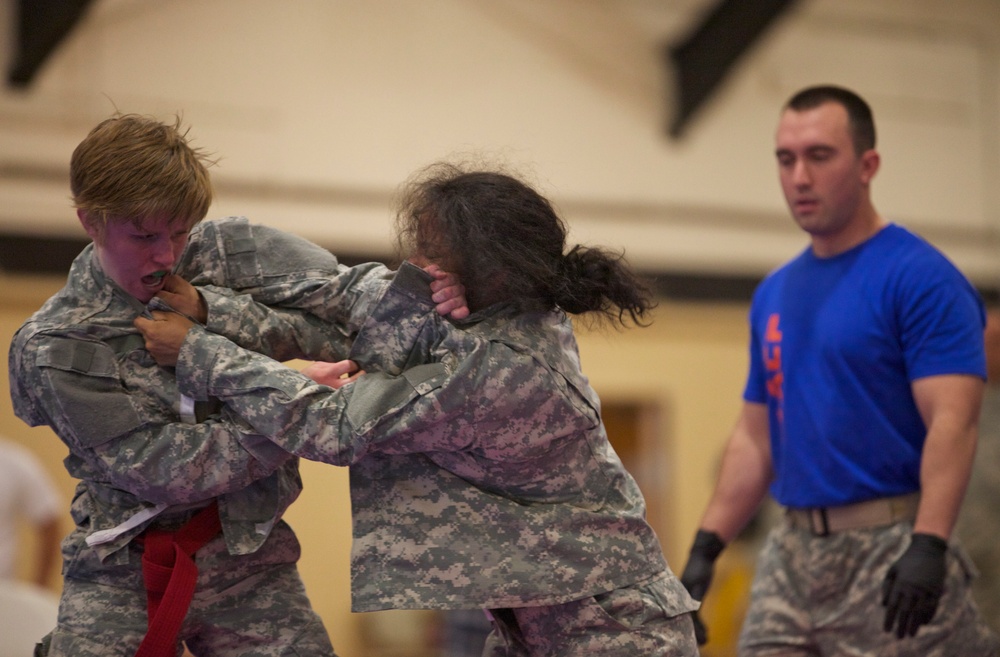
[
  {"x": 651, "y": 619},
  {"x": 822, "y": 595},
  {"x": 248, "y": 605}
]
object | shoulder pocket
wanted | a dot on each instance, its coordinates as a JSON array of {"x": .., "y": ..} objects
[
  {"x": 377, "y": 395},
  {"x": 240, "y": 249},
  {"x": 85, "y": 384}
]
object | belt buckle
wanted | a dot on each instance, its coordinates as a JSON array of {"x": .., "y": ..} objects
[{"x": 819, "y": 523}]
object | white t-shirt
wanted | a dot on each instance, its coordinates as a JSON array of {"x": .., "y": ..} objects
[{"x": 27, "y": 492}]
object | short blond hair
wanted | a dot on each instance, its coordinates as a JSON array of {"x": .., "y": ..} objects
[{"x": 134, "y": 168}]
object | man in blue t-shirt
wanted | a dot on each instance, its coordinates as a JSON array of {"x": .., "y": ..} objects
[{"x": 866, "y": 377}]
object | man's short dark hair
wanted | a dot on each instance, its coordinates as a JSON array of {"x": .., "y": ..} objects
[{"x": 859, "y": 114}]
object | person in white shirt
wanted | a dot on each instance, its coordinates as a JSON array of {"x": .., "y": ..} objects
[{"x": 27, "y": 493}]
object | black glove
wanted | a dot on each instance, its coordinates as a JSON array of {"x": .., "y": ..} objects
[
  {"x": 698, "y": 573},
  {"x": 914, "y": 584}
]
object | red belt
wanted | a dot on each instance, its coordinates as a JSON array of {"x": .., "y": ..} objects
[{"x": 170, "y": 576}]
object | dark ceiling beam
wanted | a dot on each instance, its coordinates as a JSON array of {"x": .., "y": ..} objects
[
  {"x": 701, "y": 61},
  {"x": 41, "y": 25}
]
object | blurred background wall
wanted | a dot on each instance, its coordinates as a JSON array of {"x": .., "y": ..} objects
[{"x": 649, "y": 123}]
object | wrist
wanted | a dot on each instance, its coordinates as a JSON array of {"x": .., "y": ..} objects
[
  {"x": 414, "y": 282},
  {"x": 708, "y": 544},
  {"x": 928, "y": 543}
]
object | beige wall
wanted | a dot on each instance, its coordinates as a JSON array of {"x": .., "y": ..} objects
[
  {"x": 318, "y": 109},
  {"x": 688, "y": 365}
]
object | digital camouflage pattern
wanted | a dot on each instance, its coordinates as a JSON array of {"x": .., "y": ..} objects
[
  {"x": 244, "y": 605},
  {"x": 816, "y": 595},
  {"x": 979, "y": 521},
  {"x": 79, "y": 366},
  {"x": 304, "y": 303},
  {"x": 480, "y": 477},
  {"x": 593, "y": 626}
]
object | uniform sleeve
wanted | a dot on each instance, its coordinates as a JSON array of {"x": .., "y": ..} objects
[
  {"x": 277, "y": 293},
  {"x": 279, "y": 333},
  {"x": 74, "y": 387},
  {"x": 454, "y": 391}
]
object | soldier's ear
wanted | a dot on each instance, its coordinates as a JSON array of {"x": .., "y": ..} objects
[
  {"x": 90, "y": 226},
  {"x": 870, "y": 162}
]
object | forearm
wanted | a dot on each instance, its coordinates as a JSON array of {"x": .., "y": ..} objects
[
  {"x": 401, "y": 329},
  {"x": 296, "y": 414},
  {"x": 278, "y": 333},
  {"x": 342, "y": 297},
  {"x": 131, "y": 437},
  {"x": 944, "y": 475},
  {"x": 744, "y": 476},
  {"x": 950, "y": 407},
  {"x": 180, "y": 463},
  {"x": 282, "y": 270},
  {"x": 737, "y": 496},
  {"x": 916, "y": 582}
]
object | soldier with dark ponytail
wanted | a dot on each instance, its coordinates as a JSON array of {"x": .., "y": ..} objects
[{"x": 481, "y": 473}]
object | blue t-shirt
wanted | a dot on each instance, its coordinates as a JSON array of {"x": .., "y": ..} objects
[{"x": 835, "y": 345}]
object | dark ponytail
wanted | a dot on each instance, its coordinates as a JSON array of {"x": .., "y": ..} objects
[{"x": 598, "y": 280}]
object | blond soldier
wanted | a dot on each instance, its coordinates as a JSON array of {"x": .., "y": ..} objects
[{"x": 178, "y": 533}]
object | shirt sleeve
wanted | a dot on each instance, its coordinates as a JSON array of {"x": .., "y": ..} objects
[
  {"x": 282, "y": 334},
  {"x": 941, "y": 327},
  {"x": 277, "y": 293},
  {"x": 441, "y": 389},
  {"x": 74, "y": 387}
]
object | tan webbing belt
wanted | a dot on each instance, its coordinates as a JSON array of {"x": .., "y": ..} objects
[{"x": 872, "y": 513}]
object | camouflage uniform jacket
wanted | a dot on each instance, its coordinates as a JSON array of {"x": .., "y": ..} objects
[
  {"x": 481, "y": 474},
  {"x": 79, "y": 366}
]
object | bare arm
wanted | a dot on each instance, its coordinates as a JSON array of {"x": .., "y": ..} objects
[
  {"x": 949, "y": 406},
  {"x": 744, "y": 476}
]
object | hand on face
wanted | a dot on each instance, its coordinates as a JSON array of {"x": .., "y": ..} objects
[
  {"x": 448, "y": 293},
  {"x": 164, "y": 335}
]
